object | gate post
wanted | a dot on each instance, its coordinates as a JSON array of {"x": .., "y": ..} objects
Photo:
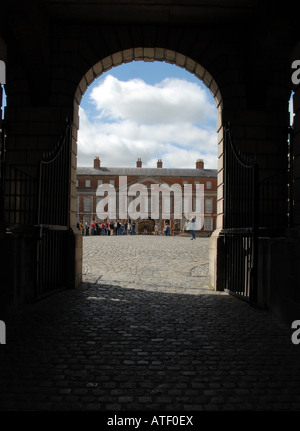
[
  {"x": 74, "y": 258},
  {"x": 216, "y": 260}
]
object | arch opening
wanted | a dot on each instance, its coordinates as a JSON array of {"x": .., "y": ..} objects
[{"x": 150, "y": 55}]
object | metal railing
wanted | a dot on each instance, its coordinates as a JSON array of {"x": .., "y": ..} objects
[
  {"x": 54, "y": 178},
  {"x": 240, "y": 221},
  {"x": 274, "y": 215},
  {"x": 53, "y": 217},
  {"x": 19, "y": 197}
]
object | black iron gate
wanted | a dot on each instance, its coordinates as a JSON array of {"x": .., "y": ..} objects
[
  {"x": 53, "y": 217},
  {"x": 240, "y": 221}
]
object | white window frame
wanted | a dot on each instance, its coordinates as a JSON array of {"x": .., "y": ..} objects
[
  {"x": 208, "y": 223},
  {"x": 208, "y": 206},
  {"x": 87, "y": 204}
]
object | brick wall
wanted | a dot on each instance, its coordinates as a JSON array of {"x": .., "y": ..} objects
[{"x": 210, "y": 191}]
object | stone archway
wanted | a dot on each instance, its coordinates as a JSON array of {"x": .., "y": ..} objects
[{"x": 150, "y": 55}]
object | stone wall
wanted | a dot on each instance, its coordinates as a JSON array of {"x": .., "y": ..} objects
[{"x": 242, "y": 57}]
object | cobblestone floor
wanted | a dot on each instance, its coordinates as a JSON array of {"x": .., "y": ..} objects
[
  {"x": 145, "y": 332},
  {"x": 158, "y": 263}
]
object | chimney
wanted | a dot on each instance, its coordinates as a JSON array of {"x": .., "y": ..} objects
[
  {"x": 199, "y": 164},
  {"x": 139, "y": 163},
  {"x": 159, "y": 163},
  {"x": 96, "y": 163}
]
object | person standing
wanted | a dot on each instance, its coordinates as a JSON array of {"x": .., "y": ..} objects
[
  {"x": 192, "y": 227},
  {"x": 111, "y": 228},
  {"x": 167, "y": 229},
  {"x": 132, "y": 227},
  {"x": 119, "y": 228},
  {"x": 81, "y": 227}
]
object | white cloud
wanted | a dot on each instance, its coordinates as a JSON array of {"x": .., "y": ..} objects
[
  {"x": 170, "y": 101},
  {"x": 171, "y": 120}
]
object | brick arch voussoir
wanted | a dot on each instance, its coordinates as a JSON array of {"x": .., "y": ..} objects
[{"x": 149, "y": 55}]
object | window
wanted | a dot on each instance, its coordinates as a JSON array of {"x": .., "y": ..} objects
[
  {"x": 77, "y": 183},
  {"x": 100, "y": 182},
  {"x": 87, "y": 183},
  {"x": 208, "y": 223},
  {"x": 208, "y": 205},
  {"x": 87, "y": 204},
  {"x": 208, "y": 185},
  {"x": 112, "y": 182}
]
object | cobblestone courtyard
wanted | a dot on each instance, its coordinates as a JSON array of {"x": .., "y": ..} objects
[
  {"x": 145, "y": 332},
  {"x": 158, "y": 263}
]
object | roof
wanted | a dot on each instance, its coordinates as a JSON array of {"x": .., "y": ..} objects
[{"x": 154, "y": 172}]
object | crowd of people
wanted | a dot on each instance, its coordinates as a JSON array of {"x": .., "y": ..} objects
[
  {"x": 107, "y": 228},
  {"x": 118, "y": 227}
]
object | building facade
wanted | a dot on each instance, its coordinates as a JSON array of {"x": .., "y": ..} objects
[{"x": 123, "y": 180}]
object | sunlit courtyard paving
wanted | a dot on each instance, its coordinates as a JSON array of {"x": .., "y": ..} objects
[{"x": 160, "y": 263}]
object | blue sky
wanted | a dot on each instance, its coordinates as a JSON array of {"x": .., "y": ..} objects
[
  {"x": 3, "y": 102},
  {"x": 148, "y": 110}
]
